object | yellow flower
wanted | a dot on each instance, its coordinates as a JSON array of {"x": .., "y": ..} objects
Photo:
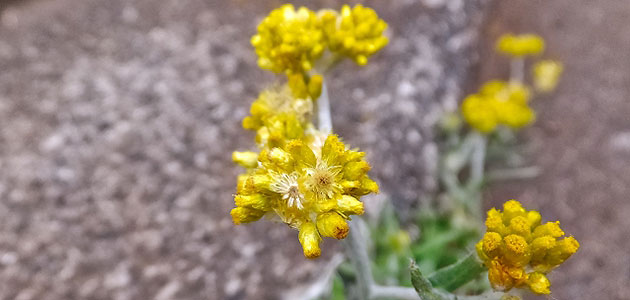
[
  {"x": 277, "y": 116},
  {"x": 519, "y": 251},
  {"x": 356, "y": 33},
  {"x": 498, "y": 103},
  {"x": 514, "y": 115},
  {"x": 276, "y": 101},
  {"x": 289, "y": 41},
  {"x": 510, "y": 103},
  {"x": 506, "y": 91},
  {"x": 546, "y": 75},
  {"x": 279, "y": 129},
  {"x": 479, "y": 112},
  {"x": 520, "y": 45},
  {"x": 312, "y": 184}
]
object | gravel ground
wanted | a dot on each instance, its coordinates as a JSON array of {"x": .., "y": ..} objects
[
  {"x": 581, "y": 138},
  {"x": 118, "y": 118}
]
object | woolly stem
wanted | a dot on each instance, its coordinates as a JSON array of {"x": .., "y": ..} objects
[
  {"x": 356, "y": 251},
  {"x": 517, "y": 69},
  {"x": 324, "y": 119},
  {"x": 477, "y": 160}
]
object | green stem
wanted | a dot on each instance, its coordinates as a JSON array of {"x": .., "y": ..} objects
[
  {"x": 454, "y": 276},
  {"x": 477, "y": 170},
  {"x": 356, "y": 251},
  {"x": 427, "y": 291},
  {"x": 513, "y": 174}
]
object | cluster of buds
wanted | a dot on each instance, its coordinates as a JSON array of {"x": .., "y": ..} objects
[
  {"x": 519, "y": 251},
  {"x": 507, "y": 102},
  {"x": 293, "y": 41},
  {"x": 498, "y": 103},
  {"x": 520, "y": 45},
  {"x": 302, "y": 176},
  {"x": 356, "y": 33}
]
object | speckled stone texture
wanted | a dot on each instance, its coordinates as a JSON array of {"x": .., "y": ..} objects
[{"x": 117, "y": 122}]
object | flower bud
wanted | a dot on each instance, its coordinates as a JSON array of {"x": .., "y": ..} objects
[
  {"x": 246, "y": 159},
  {"x": 256, "y": 201},
  {"x": 242, "y": 215},
  {"x": 349, "y": 205},
  {"x": 332, "y": 225},
  {"x": 309, "y": 238}
]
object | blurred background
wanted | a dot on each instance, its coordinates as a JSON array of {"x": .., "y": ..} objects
[{"x": 118, "y": 119}]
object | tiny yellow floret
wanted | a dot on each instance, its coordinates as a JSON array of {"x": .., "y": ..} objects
[
  {"x": 518, "y": 251},
  {"x": 491, "y": 243},
  {"x": 538, "y": 283}
]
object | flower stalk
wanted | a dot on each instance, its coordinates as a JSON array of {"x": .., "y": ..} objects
[
  {"x": 324, "y": 117},
  {"x": 355, "y": 246},
  {"x": 454, "y": 276},
  {"x": 517, "y": 69}
]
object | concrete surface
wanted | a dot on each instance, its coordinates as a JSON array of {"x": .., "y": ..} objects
[{"x": 117, "y": 122}]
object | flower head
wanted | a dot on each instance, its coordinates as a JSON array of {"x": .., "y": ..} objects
[
  {"x": 311, "y": 186},
  {"x": 546, "y": 75},
  {"x": 480, "y": 113},
  {"x": 277, "y": 116},
  {"x": 520, "y": 45},
  {"x": 356, "y": 33},
  {"x": 289, "y": 41},
  {"x": 519, "y": 251},
  {"x": 498, "y": 103}
]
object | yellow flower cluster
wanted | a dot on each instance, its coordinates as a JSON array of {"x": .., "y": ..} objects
[
  {"x": 498, "y": 103},
  {"x": 303, "y": 177},
  {"x": 357, "y": 33},
  {"x": 546, "y": 75},
  {"x": 291, "y": 41},
  {"x": 312, "y": 184},
  {"x": 519, "y": 251},
  {"x": 277, "y": 116},
  {"x": 520, "y": 45},
  {"x": 506, "y": 103}
]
